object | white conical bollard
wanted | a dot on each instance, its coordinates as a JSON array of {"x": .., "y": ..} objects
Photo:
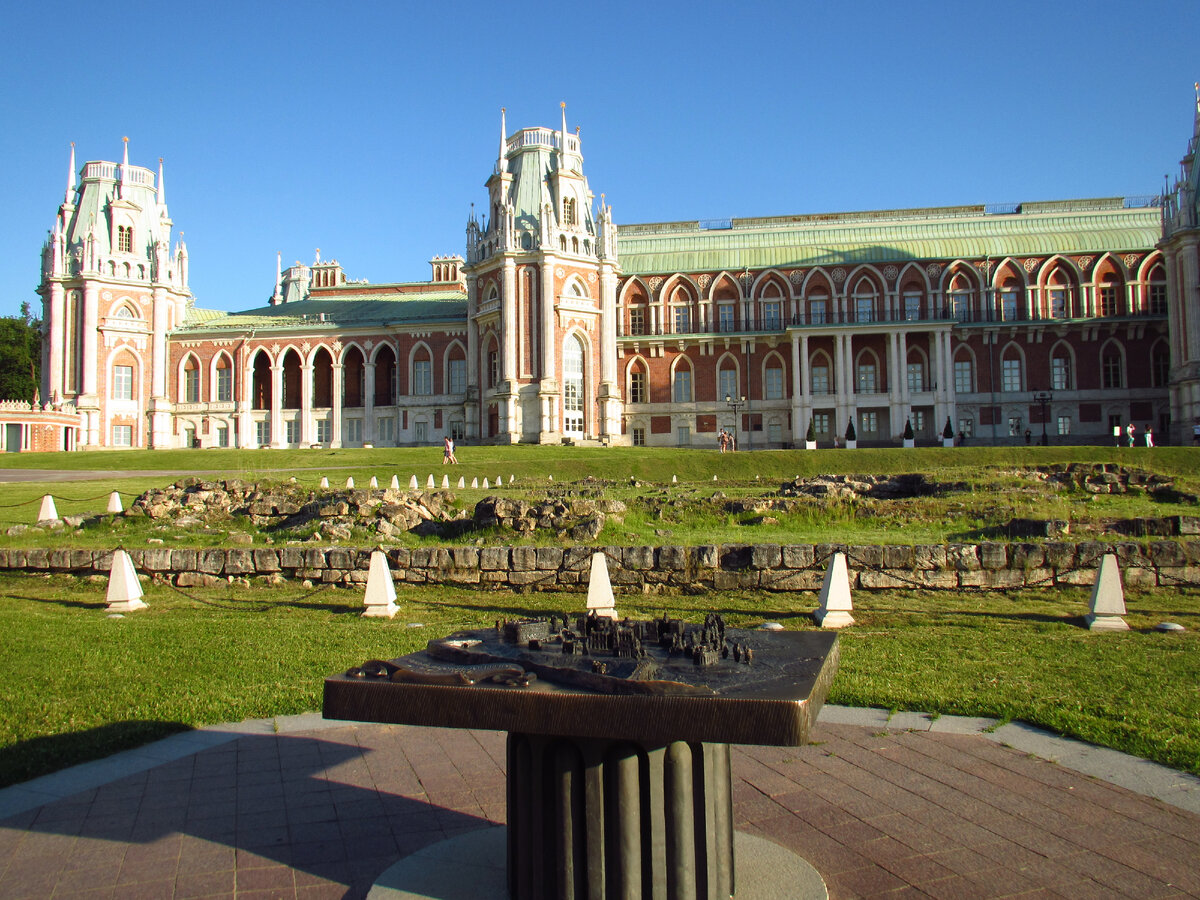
[
  {"x": 350, "y": 482},
  {"x": 324, "y": 482},
  {"x": 380, "y": 599},
  {"x": 674, "y": 479},
  {"x": 600, "y": 593},
  {"x": 834, "y": 602},
  {"x": 714, "y": 478},
  {"x": 395, "y": 485},
  {"x": 551, "y": 477},
  {"x": 47, "y": 513},
  {"x": 374, "y": 483},
  {"x": 430, "y": 484},
  {"x": 412, "y": 482},
  {"x": 445, "y": 482},
  {"x": 1108, "y": 597},
  {"x": 511, "y": 478},
  {"x": 474, "y": 482},
  {"x": 500, "y": 481},
  {"x": 114, "y": 503},
  {"x": 124, "y": 589},
  {"x": 462, "y": 482},
  {"x": 485, "y": 484}
]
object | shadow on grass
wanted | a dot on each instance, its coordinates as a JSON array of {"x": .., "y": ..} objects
[
  {"x": 42, "y": 755},
  {"x": 644, "y": 610},
  {"x": 51, "y": 601}
]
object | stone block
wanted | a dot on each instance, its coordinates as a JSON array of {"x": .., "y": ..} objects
[
  {"x": 672, "y": 558},
  {"x": 154, "y": 559},
  {"x": 791, "y": 580},
  {"x": 342, "y": 558},
  {"x": 706, "y": 556},
  {"x": 1059, "y": 554},
  {"x": 962, "y": 557},
  {"x": 266, "y": 560},
  {"x": 492, "y": 559},
  {"x": 183, "y": 559},
  {"x": 239, "y": 562},
  {"x": 1040, "y": 577},
  {"x": 1089, "y": 553},
  {"x": 736, "y": 556},
  {"x": 1083, "y": 577},
  {"x": 864, "y": 556},
  {"x": 577, "y": 559},
  {"x": 1139, "y": 576},
  {"x": 526, "y": 577},
  {"x": 549, "y": 558},
  {"x": 4, "y": 558},
  {"x": 1026, "y": 556},
  {"x": 1165, "y": 553},
  {"x": 524, "y": 559},
  {"x": 463, "y": 576},
  {"x": 37, "y": 559},
  {"x": 465, "y": 558},
  {"x": 210, "y": 562},
  {"x": 798, "y": 556},
  {"x": 897, "y": 556},
  {"x": 101, "y": 560},
  {"x": 197, "y": 579},
  {"x": 1172, "y": 576},
  {"x": 929, "y": 556},
  {"x": 874, "y": 580},
  {"x": 314, "y": 558},
  {"x": 992, "y": 579},
  {"x": 60, "y": 560},
  {"x": 291, "y": 557},
  {"x": 399, "y": 557},
  {"x": 993, "y": 555},
  {"x": 493, "y": 576},
  {"x": 726, "y": 580},
  {"x": 637, "y": 558},
  {"x": 766, "y": 556},
  {"x": 939, "y": 579}
]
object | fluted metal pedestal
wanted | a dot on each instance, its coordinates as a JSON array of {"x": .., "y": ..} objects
[{"x": 618, "y": 820}]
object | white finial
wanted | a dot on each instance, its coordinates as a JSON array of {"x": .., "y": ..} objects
[
  {"x": 563, "y": 143},
  {"x": 318, "y": 256},
  {"x": 71, "y": 177},
  {"x": 162, "y": 187},
  {"x": 501, "y": 160},
  {"x": 124, "y": 168}
]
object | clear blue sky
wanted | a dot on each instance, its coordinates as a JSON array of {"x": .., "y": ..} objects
[{"x": 368, "y": 130}]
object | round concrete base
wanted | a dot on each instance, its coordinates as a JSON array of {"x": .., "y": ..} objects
[{"x": 472, "y": 867}]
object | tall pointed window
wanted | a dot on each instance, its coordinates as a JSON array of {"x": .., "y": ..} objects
[
  {"x": 224, "y": 381},
  {"x": 124, "y": 239},
  {"x": 569, "y": 211},
  {"x": 573, "y": 386}
]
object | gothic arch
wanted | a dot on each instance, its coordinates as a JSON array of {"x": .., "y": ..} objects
[
  {"x": 215, "y": 364},
  {"x": 821, "y": 357},
  {"x": 577, "y": 285},
  {"x": 868, "y": 356},
  {"x": 767, "y": 277},
  {"x": 138, "y": 365},
  {"x": 723, "y": 281},
  {"x": 870, "y": 272},
  {"x": 194, "y": 360},
  {"x": 774, "y": 360},
  {"x": 1109, "y": 349},
  {"x": 321, "y": 378},
  {"x": 1013, "y": 350},
  {"x": 1110, "y": 258},
  {"x": 907, "y": 274},
  {"x": 679, "y": 363},
  {"x": 455, "y": 350},
  {"x": 259, "y": 384},
  {"x": 1062, "y": 349},
  {"x": 963, "y": 268},
  {"x": 678, "y": 284},
  {"x": 630, "y": 286},
  {"x": 814, "y": 277},
  {"x": 965, "y": 353},
  {"x": 1146, "y": 267},
  {"x": 727, "y": 362},
  {"x": 347, "y": 349},
  {"x": 1015, "y": 271}
]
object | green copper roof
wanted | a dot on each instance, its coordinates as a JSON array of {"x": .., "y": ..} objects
[
  {"x": 343, "y": 311},
  {"x": 849, "y": 238}
]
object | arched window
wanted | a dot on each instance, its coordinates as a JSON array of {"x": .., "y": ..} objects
[
  {"x": 124, "y": 239},
  {"x": 422, "y": 373},
  {"x": 1112, "y": 367},
  {"x": 864, "y": 302},
  {"x": 960, "y": 298},
  {"x": 1157, "y": 287},
  {"x": 1012, "y": 372},
  {"x": 867, "y": 374},
  {"x": 681, "y": 382},
  {"x": 639, "y": 385},
  {"x": 189, "y": 389},
  {"x": 1109, "y": 300},
  {"x": 123, "y": 312},
  {"x": 1160, "y": 365},
  {"x": 915, "y": 372},
  {"x": 773, "y": 380},
  {"x": 569, "y": 211},
  {"x": 964, "y": 375},
  {"x": 224, "y": 380},
  {"x": 573, "y": 385},
  {"x": 261, "y": 387}
]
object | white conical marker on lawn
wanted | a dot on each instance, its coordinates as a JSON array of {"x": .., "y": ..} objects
[
  {"x": 48, "y": 512},
  {"x": 1108, "y": 597},
  {"x": 324, "y": 482},
  {"x": 395, "y": 485},
  {"x": 124, "y": 589},
  {"x": 430, "y": 484},
  {"x": 350, "y": 482},
  {"x": 674, "y": 479},
  {"x": 374, "y": 483},
  {"x": 485, "y": 483},
  {"x": 462, "y": 482},
  {"x": 475, "y": 482},
  {"x": 445, "y": 482},
  {"x": 380, "y": 599},
  {"x": 412, "y": 482},
  {"x": 114, "y": 503},
  {"x": 600, "y": 593},
  {"x": 835, "y": 604}
]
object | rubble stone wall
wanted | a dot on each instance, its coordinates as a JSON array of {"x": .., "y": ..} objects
[{"x": 772, "y": 567}]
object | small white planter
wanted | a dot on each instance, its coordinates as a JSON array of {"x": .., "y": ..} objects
[
  {"x": 810, "y": 445},
  {"x": 910, "y": 442},
  {"x": 947, "y": 442},
  {"x": 851, "y": 445}
]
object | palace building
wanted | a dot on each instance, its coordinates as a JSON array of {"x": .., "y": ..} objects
[{"x": 1002, "y": 323}]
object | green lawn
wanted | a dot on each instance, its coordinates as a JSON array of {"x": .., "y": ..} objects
[{"x": 78, "y": 685}]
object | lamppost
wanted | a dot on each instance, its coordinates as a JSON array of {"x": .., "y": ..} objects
[
  {"x": 735, "y": 403},
  {"x": 1044, "y": 398}
]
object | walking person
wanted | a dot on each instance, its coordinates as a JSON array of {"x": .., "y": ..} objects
[
  {"x": 448, "y": 457},
  {"x": 1131, "y": 433},
  {"x": 1148, "y": 434}
]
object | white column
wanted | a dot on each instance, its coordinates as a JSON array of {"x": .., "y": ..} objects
[
  {"x": 91, "y": 317},
  {"x": 306, "y": 419},
  {"x": 610, "y": 391},
  {"x": 896, "y": 383},
  {"x": 369, "y": 403},
  {"x": 53, "y": 380},
  {"x": 339, "y": 374},
  {"x": 509, "y": 319},
  {"x": 278, "y": 438}
]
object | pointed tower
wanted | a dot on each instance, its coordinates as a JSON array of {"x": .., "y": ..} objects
[
  {"x": 541, "y": 288},
  {"x": 111, "y": 292},
  {"x": 1181, "y": 248}
]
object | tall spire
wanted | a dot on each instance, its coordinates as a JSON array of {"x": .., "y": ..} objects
[
  {"x": 124, "y": 168},
  {"x": 71, "y": 177},
  {"x": 501, "y": 161},
  {"x": 162, "y": 187},
  {"x": 562, "y": 138}
]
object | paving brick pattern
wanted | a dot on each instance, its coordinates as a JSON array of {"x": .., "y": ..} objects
[{"x": 321, "y": 814}]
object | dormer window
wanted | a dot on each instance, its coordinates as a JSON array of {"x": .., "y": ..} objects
[
  {"x": 124, "y": 239},
  {"x": 569, "y": 211}
]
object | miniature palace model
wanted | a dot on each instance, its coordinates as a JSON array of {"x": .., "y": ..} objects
[
  {"x": 618, "y": 761},
  {"x": 1069, "y": 317}
]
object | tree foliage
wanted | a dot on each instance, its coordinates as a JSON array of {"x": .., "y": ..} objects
[{"x": 20, "y": 355}]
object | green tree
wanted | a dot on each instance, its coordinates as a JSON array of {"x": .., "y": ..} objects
[{"x": 20, "y": 355}]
